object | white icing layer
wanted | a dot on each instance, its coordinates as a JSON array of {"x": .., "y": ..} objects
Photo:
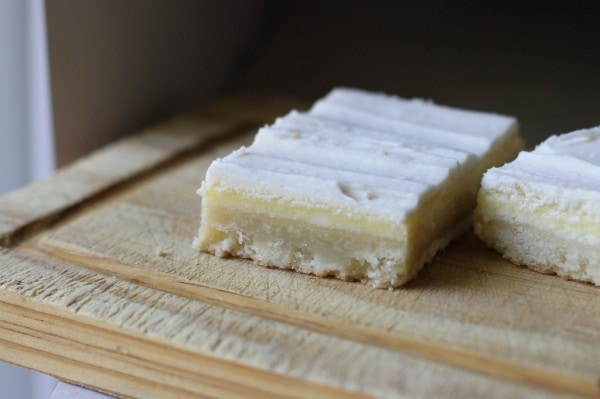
[
  {"x": 581, "y": 144},
  {"x": 563, "y": 170},
  {"x": 422, "y": 113},
  {"x": 390, "y": 138},
  {"x": 426, "y": 135},
  {"x": 364, "y": 152}
]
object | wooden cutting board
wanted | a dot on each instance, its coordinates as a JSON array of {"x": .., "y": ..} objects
[{"x": 99, "y": 286}]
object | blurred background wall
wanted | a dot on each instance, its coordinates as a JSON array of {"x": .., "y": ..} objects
[
  {"x": 26, "y": 148},
  {"x": 75, "y": 75},
  {"x": 119, "y": 65}
]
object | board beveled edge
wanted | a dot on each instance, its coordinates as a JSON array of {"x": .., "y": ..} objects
[{"x": 78, "y": 350}]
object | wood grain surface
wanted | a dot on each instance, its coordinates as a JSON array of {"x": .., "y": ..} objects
[{"x": 99, "y": 286}]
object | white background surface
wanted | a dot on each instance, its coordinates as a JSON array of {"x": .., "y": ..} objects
[{"x": 26, "y": 151}]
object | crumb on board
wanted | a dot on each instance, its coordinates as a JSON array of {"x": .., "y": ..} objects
[{"x": 160, "y": 252}]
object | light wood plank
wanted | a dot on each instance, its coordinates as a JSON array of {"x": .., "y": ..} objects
[
  {"x": 470, "y": 308},
  {"x": 127, "y": 339}
]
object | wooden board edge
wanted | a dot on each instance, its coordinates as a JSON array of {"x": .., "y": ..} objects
[
  {"x": 467, "y": 359},
  {"x": 97, "y": 355}
]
